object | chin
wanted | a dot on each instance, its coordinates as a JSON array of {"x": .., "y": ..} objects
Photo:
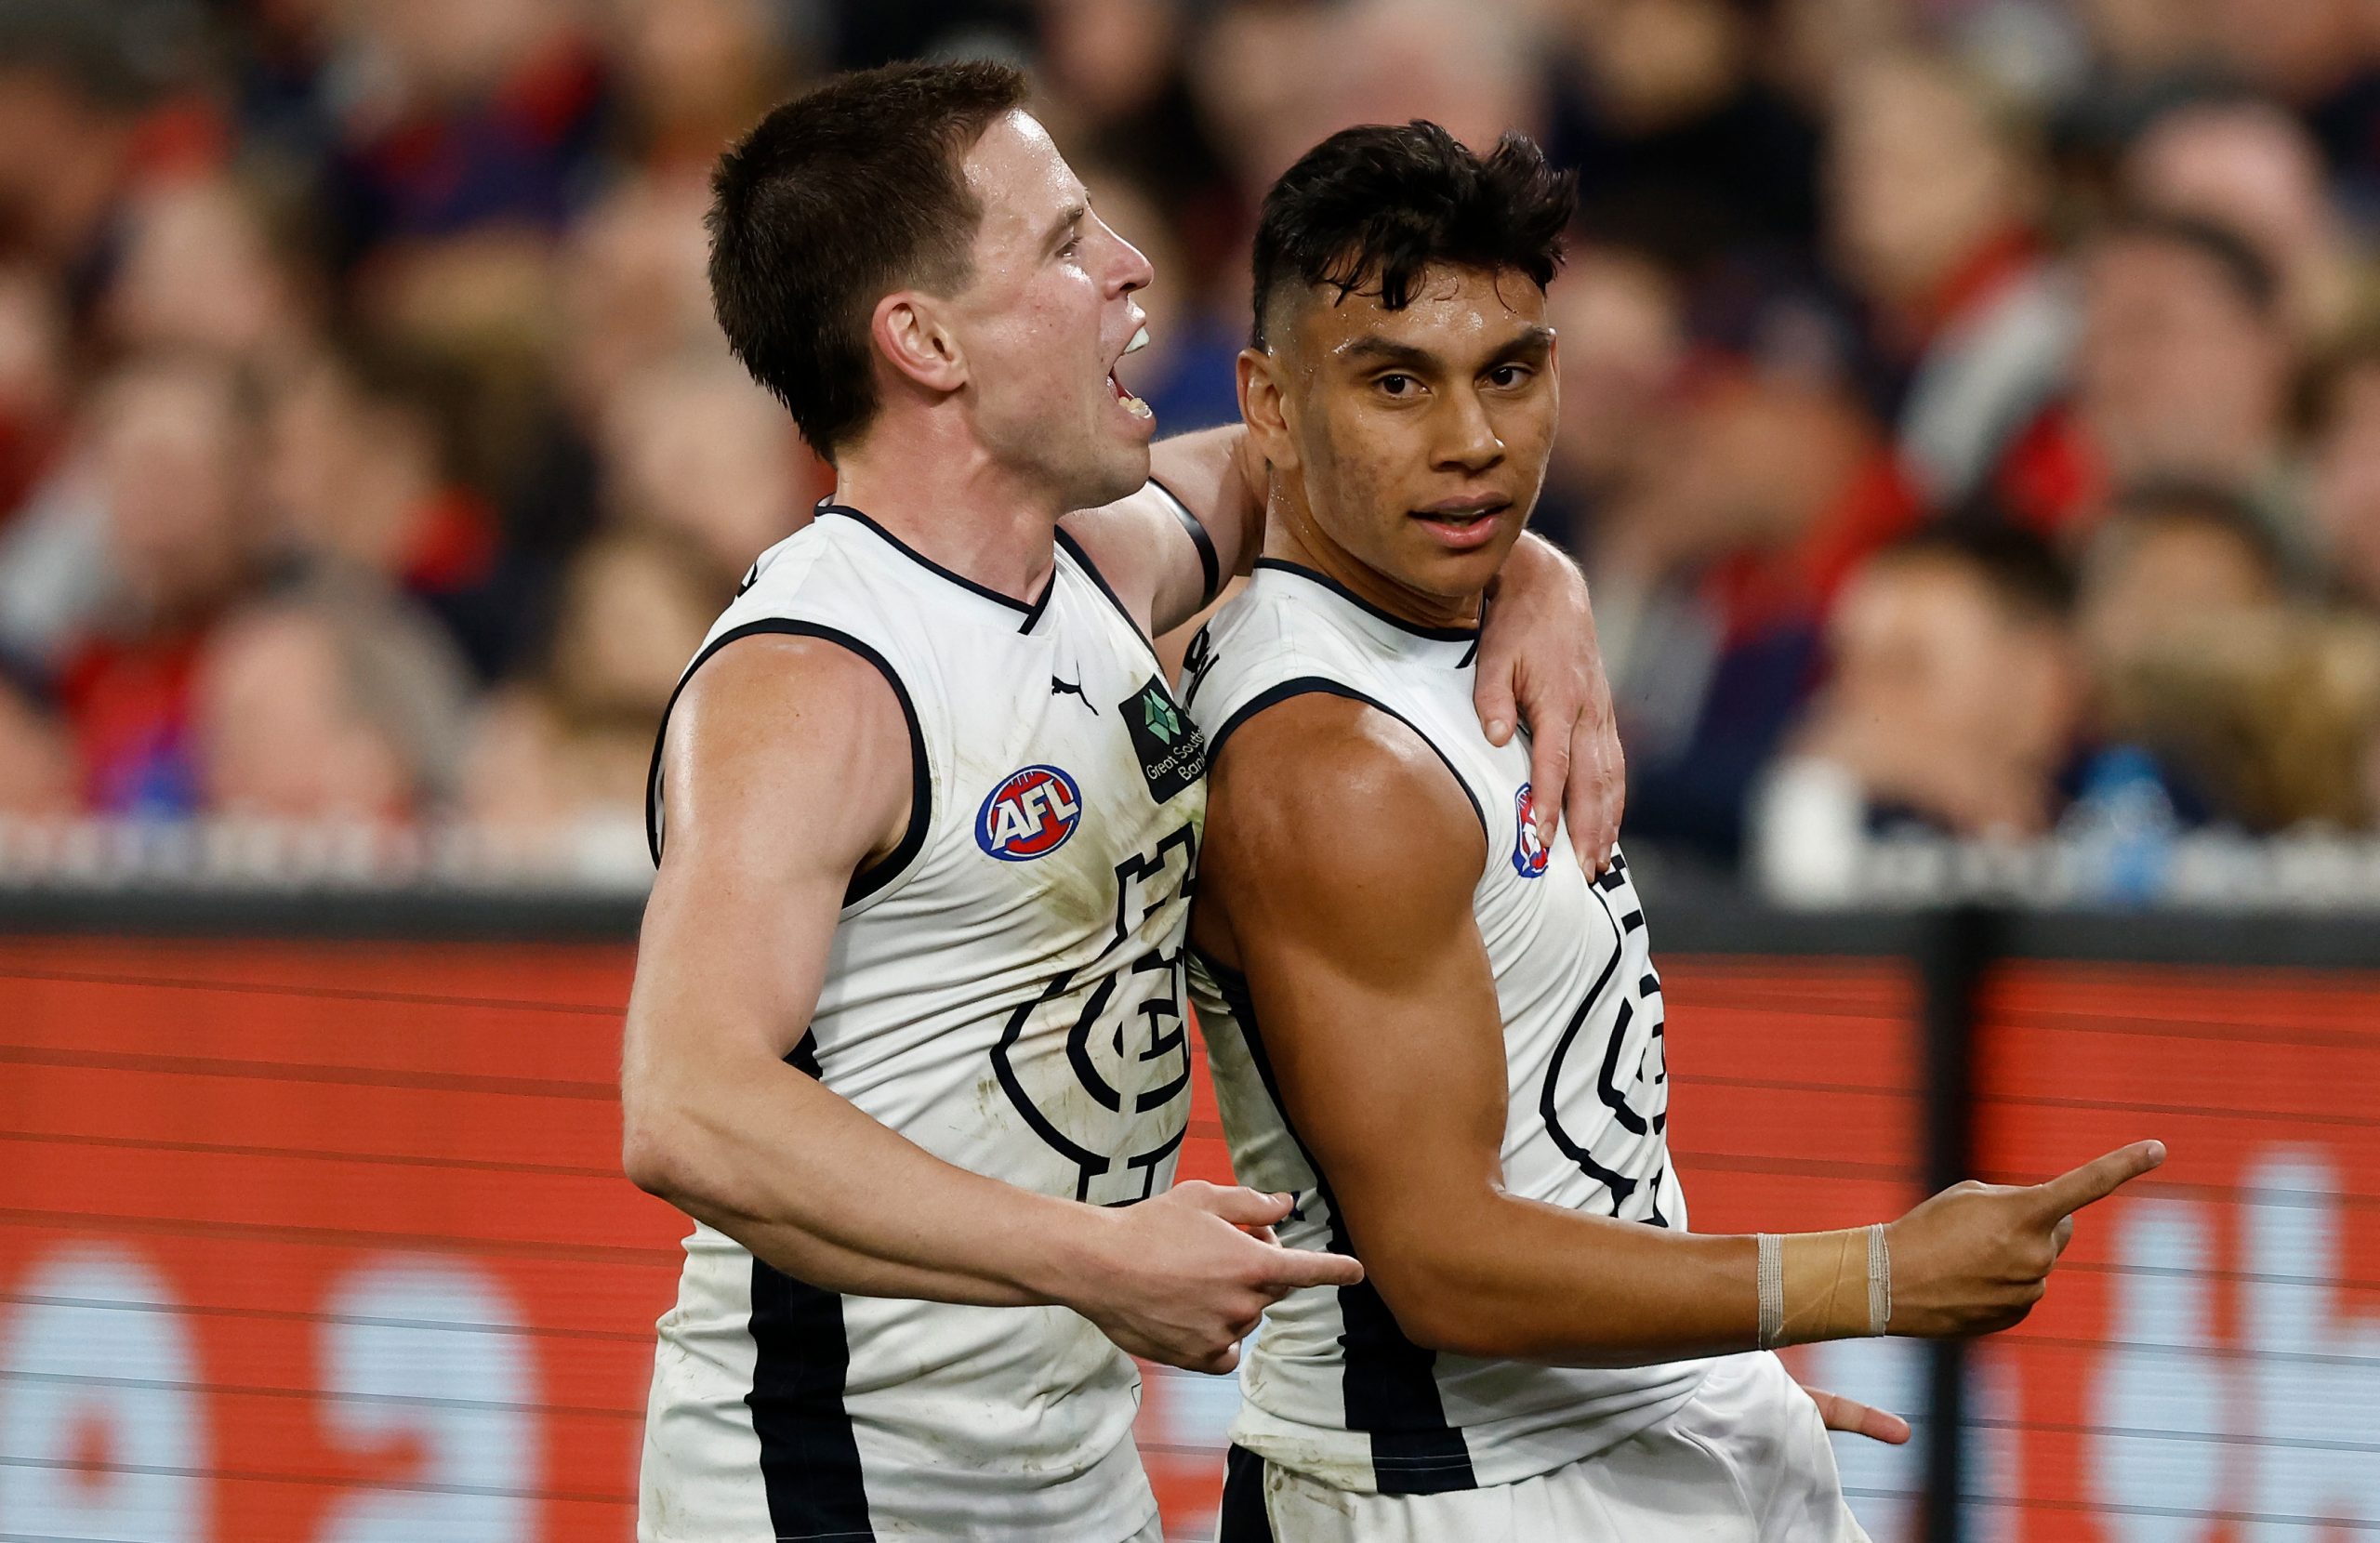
[
  {"x": 1454, "y": 574},
  {"x": 1122, "y": 473}
]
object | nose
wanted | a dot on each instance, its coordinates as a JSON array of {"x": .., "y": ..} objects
[
  {"x": 1132, "y": 269},
  {"x": 1467, "y": 439}
]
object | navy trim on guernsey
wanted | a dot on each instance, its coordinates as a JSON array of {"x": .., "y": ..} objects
[
  {"x": 1209, "y": 563},
  {"x": 1031, "y": 613},
  {"x": 1391, "y": 1388},
  {"x": 810, "y": 1466},
  {"x": 1243, "y": 1519},
  {"x": 1099, "y": 581},
  {"x": 1435, "y": 633},
  {"x": 913, "y": 840},
  {"x": 1322, "y": 685}
]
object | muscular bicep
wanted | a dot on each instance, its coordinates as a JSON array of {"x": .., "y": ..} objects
[
  {"x": 1340, "y": 862},
  {"x": 787, "y": 770}
]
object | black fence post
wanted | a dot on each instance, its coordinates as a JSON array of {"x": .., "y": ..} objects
[{"x": 1954, "y": 953}]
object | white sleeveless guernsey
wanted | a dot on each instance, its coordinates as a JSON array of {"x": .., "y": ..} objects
[
  {"x": 1004, "y": 990},
  {"x": 1334, "y": 1390}
]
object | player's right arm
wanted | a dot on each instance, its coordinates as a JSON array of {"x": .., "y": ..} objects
[
  {"x": 787, "y": 769},
  {"x": 1338, "y": 876}
]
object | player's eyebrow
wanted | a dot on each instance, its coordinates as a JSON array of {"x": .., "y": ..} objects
[
  {"x": 1372, "y": 351},
  {"x": 1532, "y": 343},
  {"x": 1067, "y": 219}
]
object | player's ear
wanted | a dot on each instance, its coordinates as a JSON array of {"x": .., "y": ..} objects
[
  {"x": 910, "y": 331},
  {"x": 1263, "y": 409}
]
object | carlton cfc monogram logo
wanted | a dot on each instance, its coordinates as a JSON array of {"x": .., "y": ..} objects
[
  {"x": 1528, "y": 849},
  {"x": 1029, "y": 814}
]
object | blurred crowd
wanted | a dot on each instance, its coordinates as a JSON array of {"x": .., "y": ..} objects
[{"x": 1972, "y": 407}]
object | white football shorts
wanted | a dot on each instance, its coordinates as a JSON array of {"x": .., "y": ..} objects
[{"x": 1745, "y": 1460}]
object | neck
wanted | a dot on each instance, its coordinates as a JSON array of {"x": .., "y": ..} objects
[
  {"x": 1292, "y": 535},
  {"x": 952, "y": 503}
]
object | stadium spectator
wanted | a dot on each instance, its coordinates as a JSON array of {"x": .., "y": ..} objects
[
  {"x": 1935, "y": 196},
  {"x": 700, "y": 455},
  {"x": 2251, "y": 167},
  {"x": 2171, "y": 557},
  {"x": 1955, "y": 701},
  {"x": 360, "y": 473},
  {"x": 2317, "y": 55},
  {"x": 692, "y": 75},
  {"x": 573, "y": 742},
  {"x": 1712, "y": 575},
  {"x": 2264, "y": 718},
  {"x": 2177, "y": 577},
  {"x": 172, "y": 458},
  {"x": 333, "y": 703},
  {"x": 1683, "y": 144},
  {"x": 81, "y": 120},
  {"x": 633, "y": 292},
  {"x": 478, "y": 115},
  {"x": 2184, "y": 371},
  {"x": 202, "y": 266}
]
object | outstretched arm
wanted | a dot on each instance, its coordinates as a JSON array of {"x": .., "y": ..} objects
[
  {"x": 787, "y": 770},
  {"x": 1384, "y": 1033}
]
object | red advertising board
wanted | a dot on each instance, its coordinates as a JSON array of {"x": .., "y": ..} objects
[
  {"x": 326, "y": 1243},
  {"x": 2207, "y": 1365}
]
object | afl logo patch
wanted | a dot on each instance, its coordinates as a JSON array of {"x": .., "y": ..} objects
[
  {"x": 1528, "y": 848},
  {"x": 1028, "y": 815}
]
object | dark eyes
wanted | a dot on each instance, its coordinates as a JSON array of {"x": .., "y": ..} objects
[{"x": 1398, "y": 386}]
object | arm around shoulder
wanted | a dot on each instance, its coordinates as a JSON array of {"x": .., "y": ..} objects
[{"x": 1168, "y": 548}]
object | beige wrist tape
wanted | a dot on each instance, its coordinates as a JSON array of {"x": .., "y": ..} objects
[{"x": 1824, "y": 1286}]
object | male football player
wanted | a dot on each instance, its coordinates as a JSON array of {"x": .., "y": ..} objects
[{"x": 1438, "y": 1032}]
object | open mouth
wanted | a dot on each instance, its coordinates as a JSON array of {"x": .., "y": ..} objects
[
  {"x": 1462, "y": 523},
  {"x": 1132, "y": 405}
]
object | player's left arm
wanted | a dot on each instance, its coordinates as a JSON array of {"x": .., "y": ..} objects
[{"x": 1167, "y": 550}]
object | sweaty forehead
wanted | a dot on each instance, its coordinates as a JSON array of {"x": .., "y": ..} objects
[
  {"x": 1019, "y": 180},
  {"x": 1455, "y": 313}
]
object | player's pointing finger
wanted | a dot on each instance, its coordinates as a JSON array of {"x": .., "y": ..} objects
[
  {"x": 1295, "y": 1269},
  {"x": 2099, "y": 1178}
]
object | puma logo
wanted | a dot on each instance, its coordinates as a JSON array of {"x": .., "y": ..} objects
[{"x": 1073, "y": 689}]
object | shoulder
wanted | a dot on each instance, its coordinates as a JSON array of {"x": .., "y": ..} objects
[
  {"x": 775, "y": 666},
  {"x": 1328, "y": 782},
  {"x": 777, "y": 719},
  {"x": 1260, "y": 647},
  {"x": 806, "y": 571}
]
